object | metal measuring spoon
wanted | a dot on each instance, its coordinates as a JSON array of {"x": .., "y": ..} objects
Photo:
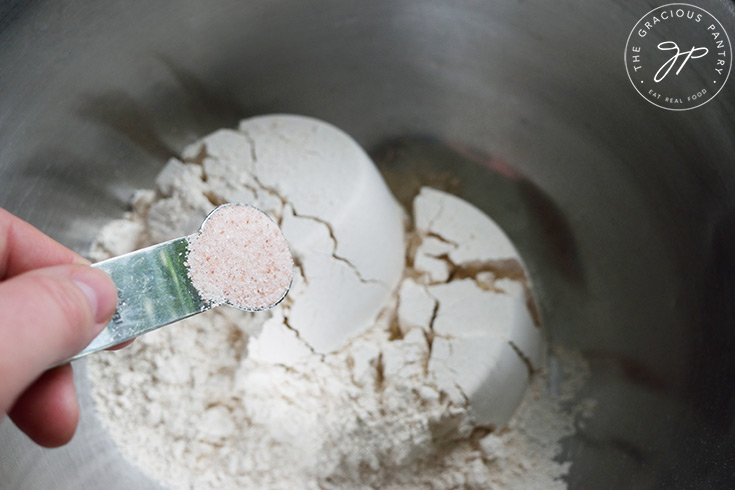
[{"x": 155, "y": 285}]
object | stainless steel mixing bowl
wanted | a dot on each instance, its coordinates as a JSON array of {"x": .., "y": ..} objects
[{"x": 624, "y": 212}]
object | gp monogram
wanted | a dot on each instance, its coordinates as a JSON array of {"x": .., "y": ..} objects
[{"x": 678, "y": 56}]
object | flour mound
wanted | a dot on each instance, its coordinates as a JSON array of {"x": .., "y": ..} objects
[{"x": 229, "y": 399}]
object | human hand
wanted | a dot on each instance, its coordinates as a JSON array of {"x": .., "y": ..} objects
[{"x": 52, "y": 304}]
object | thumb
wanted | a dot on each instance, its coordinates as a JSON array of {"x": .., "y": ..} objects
[{"x": 48, "y": 315}]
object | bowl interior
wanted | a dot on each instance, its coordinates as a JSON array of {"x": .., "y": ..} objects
[{"x": 621, "y": 210}]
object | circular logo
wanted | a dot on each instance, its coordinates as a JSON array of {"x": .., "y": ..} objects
[{"x": 678, "y": 56}]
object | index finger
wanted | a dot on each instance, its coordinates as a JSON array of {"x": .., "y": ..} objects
[{"x": 24, "y": 248}]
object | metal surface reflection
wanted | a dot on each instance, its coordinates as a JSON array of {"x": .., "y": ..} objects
[
  {"x": 154, "y": 289},
  {"x": 622, "y": 211}
]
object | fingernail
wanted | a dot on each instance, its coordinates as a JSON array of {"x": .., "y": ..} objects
[
  {"x": 81, "y": 260},
  {"x": 100, "y": 292}
]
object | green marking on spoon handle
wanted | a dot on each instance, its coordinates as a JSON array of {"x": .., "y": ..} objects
[{"x": 153, "y": 289}]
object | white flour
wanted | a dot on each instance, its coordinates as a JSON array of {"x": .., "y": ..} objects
[{"x": 229, "y": 399}]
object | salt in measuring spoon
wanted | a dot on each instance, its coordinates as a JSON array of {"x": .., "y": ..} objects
[{"x": 239, "y": 257}]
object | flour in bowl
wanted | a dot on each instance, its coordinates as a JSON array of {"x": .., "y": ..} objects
[{"x": 405, "y": 356}]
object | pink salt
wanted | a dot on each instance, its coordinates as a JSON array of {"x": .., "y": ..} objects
[{"x": 241, "y": 258}]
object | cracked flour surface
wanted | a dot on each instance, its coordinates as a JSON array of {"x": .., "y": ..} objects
[{"x": 386, "y": 390}]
